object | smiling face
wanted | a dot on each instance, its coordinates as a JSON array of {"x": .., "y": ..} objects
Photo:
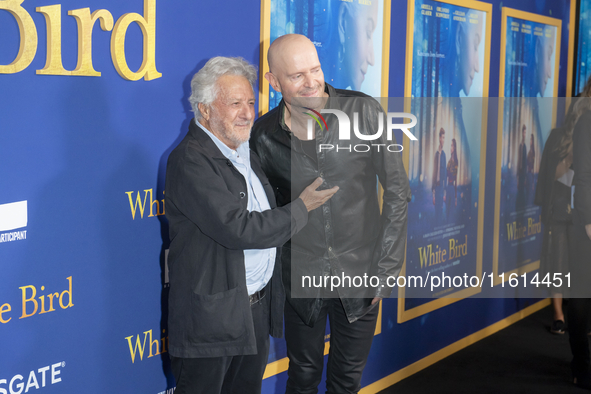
[
  {"x": 231, "y": 114},
  {"x": 468, "y": 40},
  {"x": 295, "y": 70},
  {"x": 359, "y": 24}
]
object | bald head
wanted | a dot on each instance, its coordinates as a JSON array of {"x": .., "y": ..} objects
[
  {"x": 294, "y": 69},
  {"x": 285, "y": 47}
]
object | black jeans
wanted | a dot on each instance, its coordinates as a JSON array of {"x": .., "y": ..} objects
[
  {"x": 350, "y": 344},
  {"x": 579, "y": 310},
  {"x": 579, "y": 306},
  {"x": 228, "y": 375}
]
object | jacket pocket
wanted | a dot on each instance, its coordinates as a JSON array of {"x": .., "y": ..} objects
[{"x": 218, "y": 317}]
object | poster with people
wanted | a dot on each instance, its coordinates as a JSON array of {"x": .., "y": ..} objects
[
  {"x": 352, "y": 40},
  {"x": 527, "y": 109},
  {"x": 583, "y": 65},
  {"x": 448, "y": 60},
  {"x": 349, "y": 37}
]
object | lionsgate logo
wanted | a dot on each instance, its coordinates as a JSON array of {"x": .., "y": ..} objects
[
  {"x": 37, "y": 378},
  {"x": 344, "y": 131}
]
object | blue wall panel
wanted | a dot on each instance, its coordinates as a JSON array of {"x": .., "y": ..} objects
[{"x": 77, "y": 149}]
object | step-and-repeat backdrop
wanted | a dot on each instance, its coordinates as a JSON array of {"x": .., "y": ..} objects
[{"x": 93, "y": 97}]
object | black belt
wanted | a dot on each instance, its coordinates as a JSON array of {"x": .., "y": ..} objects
[{"x": 256, "y": 297}]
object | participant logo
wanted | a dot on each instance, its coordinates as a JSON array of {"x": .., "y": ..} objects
[{"x": 13, "y": 216}]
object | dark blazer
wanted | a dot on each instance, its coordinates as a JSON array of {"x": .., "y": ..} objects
[
  {"x": 549, "y": 162},
  {"x": 581, "y": 246},
  {"x": 582, "y": 167},
  {"x": 210, "y": 226}
]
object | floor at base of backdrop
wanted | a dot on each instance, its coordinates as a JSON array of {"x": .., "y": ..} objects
[{"x": 522, "y": 358}]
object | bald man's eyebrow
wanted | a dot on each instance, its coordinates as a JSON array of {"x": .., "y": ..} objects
[{"x": 301, "y": 72}]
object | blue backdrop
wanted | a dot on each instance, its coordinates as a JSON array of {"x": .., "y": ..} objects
[{"x": 83, "y": 286}]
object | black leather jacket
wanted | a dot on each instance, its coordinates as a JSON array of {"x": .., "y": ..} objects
[{"x": 347, "y": 236}]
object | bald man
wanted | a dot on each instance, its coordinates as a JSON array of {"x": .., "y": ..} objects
[{"x": 347, "y": 237}]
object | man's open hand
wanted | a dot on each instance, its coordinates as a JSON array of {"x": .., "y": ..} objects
[{"x": 313, "y": 198}]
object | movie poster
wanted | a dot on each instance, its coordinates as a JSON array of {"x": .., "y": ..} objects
[
  {"x": 450, "y": 51},
  {"x": 528, "y": 81},
  {"x": 352, "y": 40},
  {"x": 583, "y": 67},
  {"x": 347, "y": 34}
]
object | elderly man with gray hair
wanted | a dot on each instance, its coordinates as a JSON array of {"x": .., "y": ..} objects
[{"x": 226, "y": 294}]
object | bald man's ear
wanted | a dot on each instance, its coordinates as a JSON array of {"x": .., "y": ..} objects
[{"x": 273, "y": 81}]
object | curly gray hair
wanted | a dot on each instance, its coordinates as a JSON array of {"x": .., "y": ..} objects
[{"x": 204, "y": 83}]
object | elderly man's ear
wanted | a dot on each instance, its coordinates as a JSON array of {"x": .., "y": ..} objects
[{"x": 204, "y": 109}]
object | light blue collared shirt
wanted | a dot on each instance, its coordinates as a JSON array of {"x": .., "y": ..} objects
[{"x": 259, "y": 263}]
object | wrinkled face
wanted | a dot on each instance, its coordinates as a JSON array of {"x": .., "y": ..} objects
[
  {"x": 544, "y": 53},
  {"x": 359, "y": 51},
  {"x": 469, "y": 36},
  {"x": 298, "y": 74},
  {"x": 231, "y": 115}
]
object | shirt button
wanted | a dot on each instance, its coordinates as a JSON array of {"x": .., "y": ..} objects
[
  {"x": 330, "y": 248},
  {"x": 322, "y": 174},
  {"x": 327, "y": 225}
]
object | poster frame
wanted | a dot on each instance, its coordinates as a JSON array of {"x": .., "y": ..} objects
[
  {"x": 281, "y": 365},
  {"x": 536, "y": 18},
  {"x": 266, "y": 6},
  {"x": 408, "y": 314}
]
